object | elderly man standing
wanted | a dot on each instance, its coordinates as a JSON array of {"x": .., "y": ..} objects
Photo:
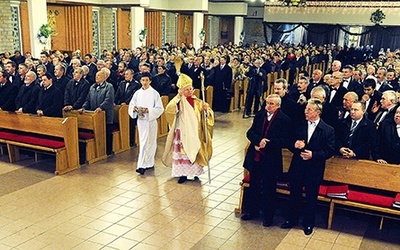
[
  {"x": 76, "y": 91},
  {"x": 313, "y": 143},
  {"x": 146, "y": 105},
  {"x": 101, "y": 97},
  {"x": 28, "y": 95},
  {"x": 186, "y": 149},
  {"x": 389, "y": 140},
  {"x": 268, "y": 135}
]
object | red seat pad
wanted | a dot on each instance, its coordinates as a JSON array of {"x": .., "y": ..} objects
[
  {"x": 28, "y": 138},
  {"x": 372, "y": 199},
  {"x": 322, "y": 190},
  {"x": 397, "y": 199},
  {"x": 85, "y": 135}
]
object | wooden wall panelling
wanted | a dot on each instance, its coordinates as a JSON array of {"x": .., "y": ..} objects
[
  {"x": 185, "y": 29},
  {"x": 124, "y": 30},
  {"x": 153, "y": 23},
  {"x": 25, "y": 30},
  {"x": 79, "y": 28},
  {"x": 58, "y": 41}
]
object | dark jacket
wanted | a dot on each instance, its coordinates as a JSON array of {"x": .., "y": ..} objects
[
  {"x": 363, "y": 139},
  {"x": 162, "y": 83},
  {"x": 278, "y": 136},
  {"x": 50, "y": 101},
  {"x": 124, "y": 95},
  {"x": 27, "y": 98},
  {"x": 8, "y": 93},
  {"x": 388, "y": 146},
  {"x": 61, "y": 83},
  {"x": 75, "y": 94}
]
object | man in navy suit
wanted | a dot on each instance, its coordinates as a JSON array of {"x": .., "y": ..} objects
[
  {"x": 312, "y": 144},
  {"x": 268, "y": 135},
  {"x": 389, "y": 140},
  {"x": 222, "y": 85},
  {"x": 8, "y": 92},
  {"x": 358, "y": 136}
]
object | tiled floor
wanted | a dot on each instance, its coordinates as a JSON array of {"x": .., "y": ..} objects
[{"x": 108, "y": 206}]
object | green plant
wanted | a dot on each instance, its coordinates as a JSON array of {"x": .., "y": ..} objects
[
  {"x": 44, "y": 33},
  {"x": 142, "y": 34},
  {"x": 377, "y": 16}
]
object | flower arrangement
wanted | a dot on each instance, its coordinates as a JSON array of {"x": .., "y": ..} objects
[
  {"x": 44, "y": 33},
  {"x": 202, "y": 34},
  {"x": 377, "y": 16},
  {"x": 142, "y": 34},
  {"x": 242, "y": 35}
]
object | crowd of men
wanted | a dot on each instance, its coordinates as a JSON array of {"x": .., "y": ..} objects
[{"x": 55, "y": 82}]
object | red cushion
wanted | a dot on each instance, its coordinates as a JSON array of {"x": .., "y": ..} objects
[
  {"x": 372, "y": 199},
  {"x": 35, "y": 140},
  {"x": 32, "y": 139},
  {"x": 322, "y": 190},
  {"x": 246, "y": 179},
  {"x": 8, "y": 135},
  {"x": 85, "y": 135},
  {"x": 397, "y": 197}
]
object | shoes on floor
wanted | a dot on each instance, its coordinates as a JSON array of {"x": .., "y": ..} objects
[
  {"x": 246, "y": 115},
  {"x": 249, "y": 216},
  {"x": 308, "y": 230},
  {"x": 182, "y": 179},
  {"x": 140, "y": 171},
  {"x": 267, "y": 223}
]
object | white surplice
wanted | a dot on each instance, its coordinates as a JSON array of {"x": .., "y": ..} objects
[{"x": 147, "y": 125}]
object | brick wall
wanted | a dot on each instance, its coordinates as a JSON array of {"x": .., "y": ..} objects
[
  {"x": 170, "y": 27},
  {"x": 106, "y": 19},
  {"x": 6, "y": 41}
]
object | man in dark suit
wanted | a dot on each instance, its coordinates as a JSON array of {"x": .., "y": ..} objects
[
  {"x": 124, "y": 94},
  {"x": 195, "y": 72},
  {"x": 8, "y": 92},
  {"x": 92, "y": 68},
  {"x": 44, "y": 60},
  {"x": 337, "y": 91},
  {"x": 257, "y": 77},
  {"x": 358, "y": 135},
  {"x": 222, "y": 85},
  {"x": 50, "y": 99},
  {"x": 288, "y": 105},
  {"x": 389, "y": 103},
  {"x": 162, "y": 82},
  {"x": 268, "y": 135},
  {"x": 371, "y": 98},
  {"x": 186, "y": 67},
  {"x": 76, "y": 91},
  {"x": 60, "y": 79},
  {"x": 382, "y": 85},
  {"x": 313, "y": 143},
  {"x": 28, "y": 95},
  {"x": 348, "y": 81},
  {"x": 389, "y": 140},
  {"x": 14, "y": 77}
]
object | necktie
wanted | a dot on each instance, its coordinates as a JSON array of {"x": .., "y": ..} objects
[
  {"x": 222, "y": 67},
  {"x": 353, "y": 126}
]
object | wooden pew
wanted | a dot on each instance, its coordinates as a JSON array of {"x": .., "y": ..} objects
[
  {"x": 37, "y": 133},
  {"x": 361, "y": 173},
  {"x": 92, "y": 133},
  {"x": 121, "y": 135},
  {"x": 162, "y": 121}
]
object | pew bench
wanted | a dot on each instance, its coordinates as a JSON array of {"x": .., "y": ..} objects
[
  {"x": 121, "y": 135},
  {"x": 367, "y": 176},
  {"x": 47, "y": 134},
  {"x": 92, "y": 133}
]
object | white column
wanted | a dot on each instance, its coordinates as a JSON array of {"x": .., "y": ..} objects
[
  {"x": 137, "y": 24},
  {"x": 198, "y": 20},
  {"x": 239, "y": 21},
  {"x": 37, "y": 11}
]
